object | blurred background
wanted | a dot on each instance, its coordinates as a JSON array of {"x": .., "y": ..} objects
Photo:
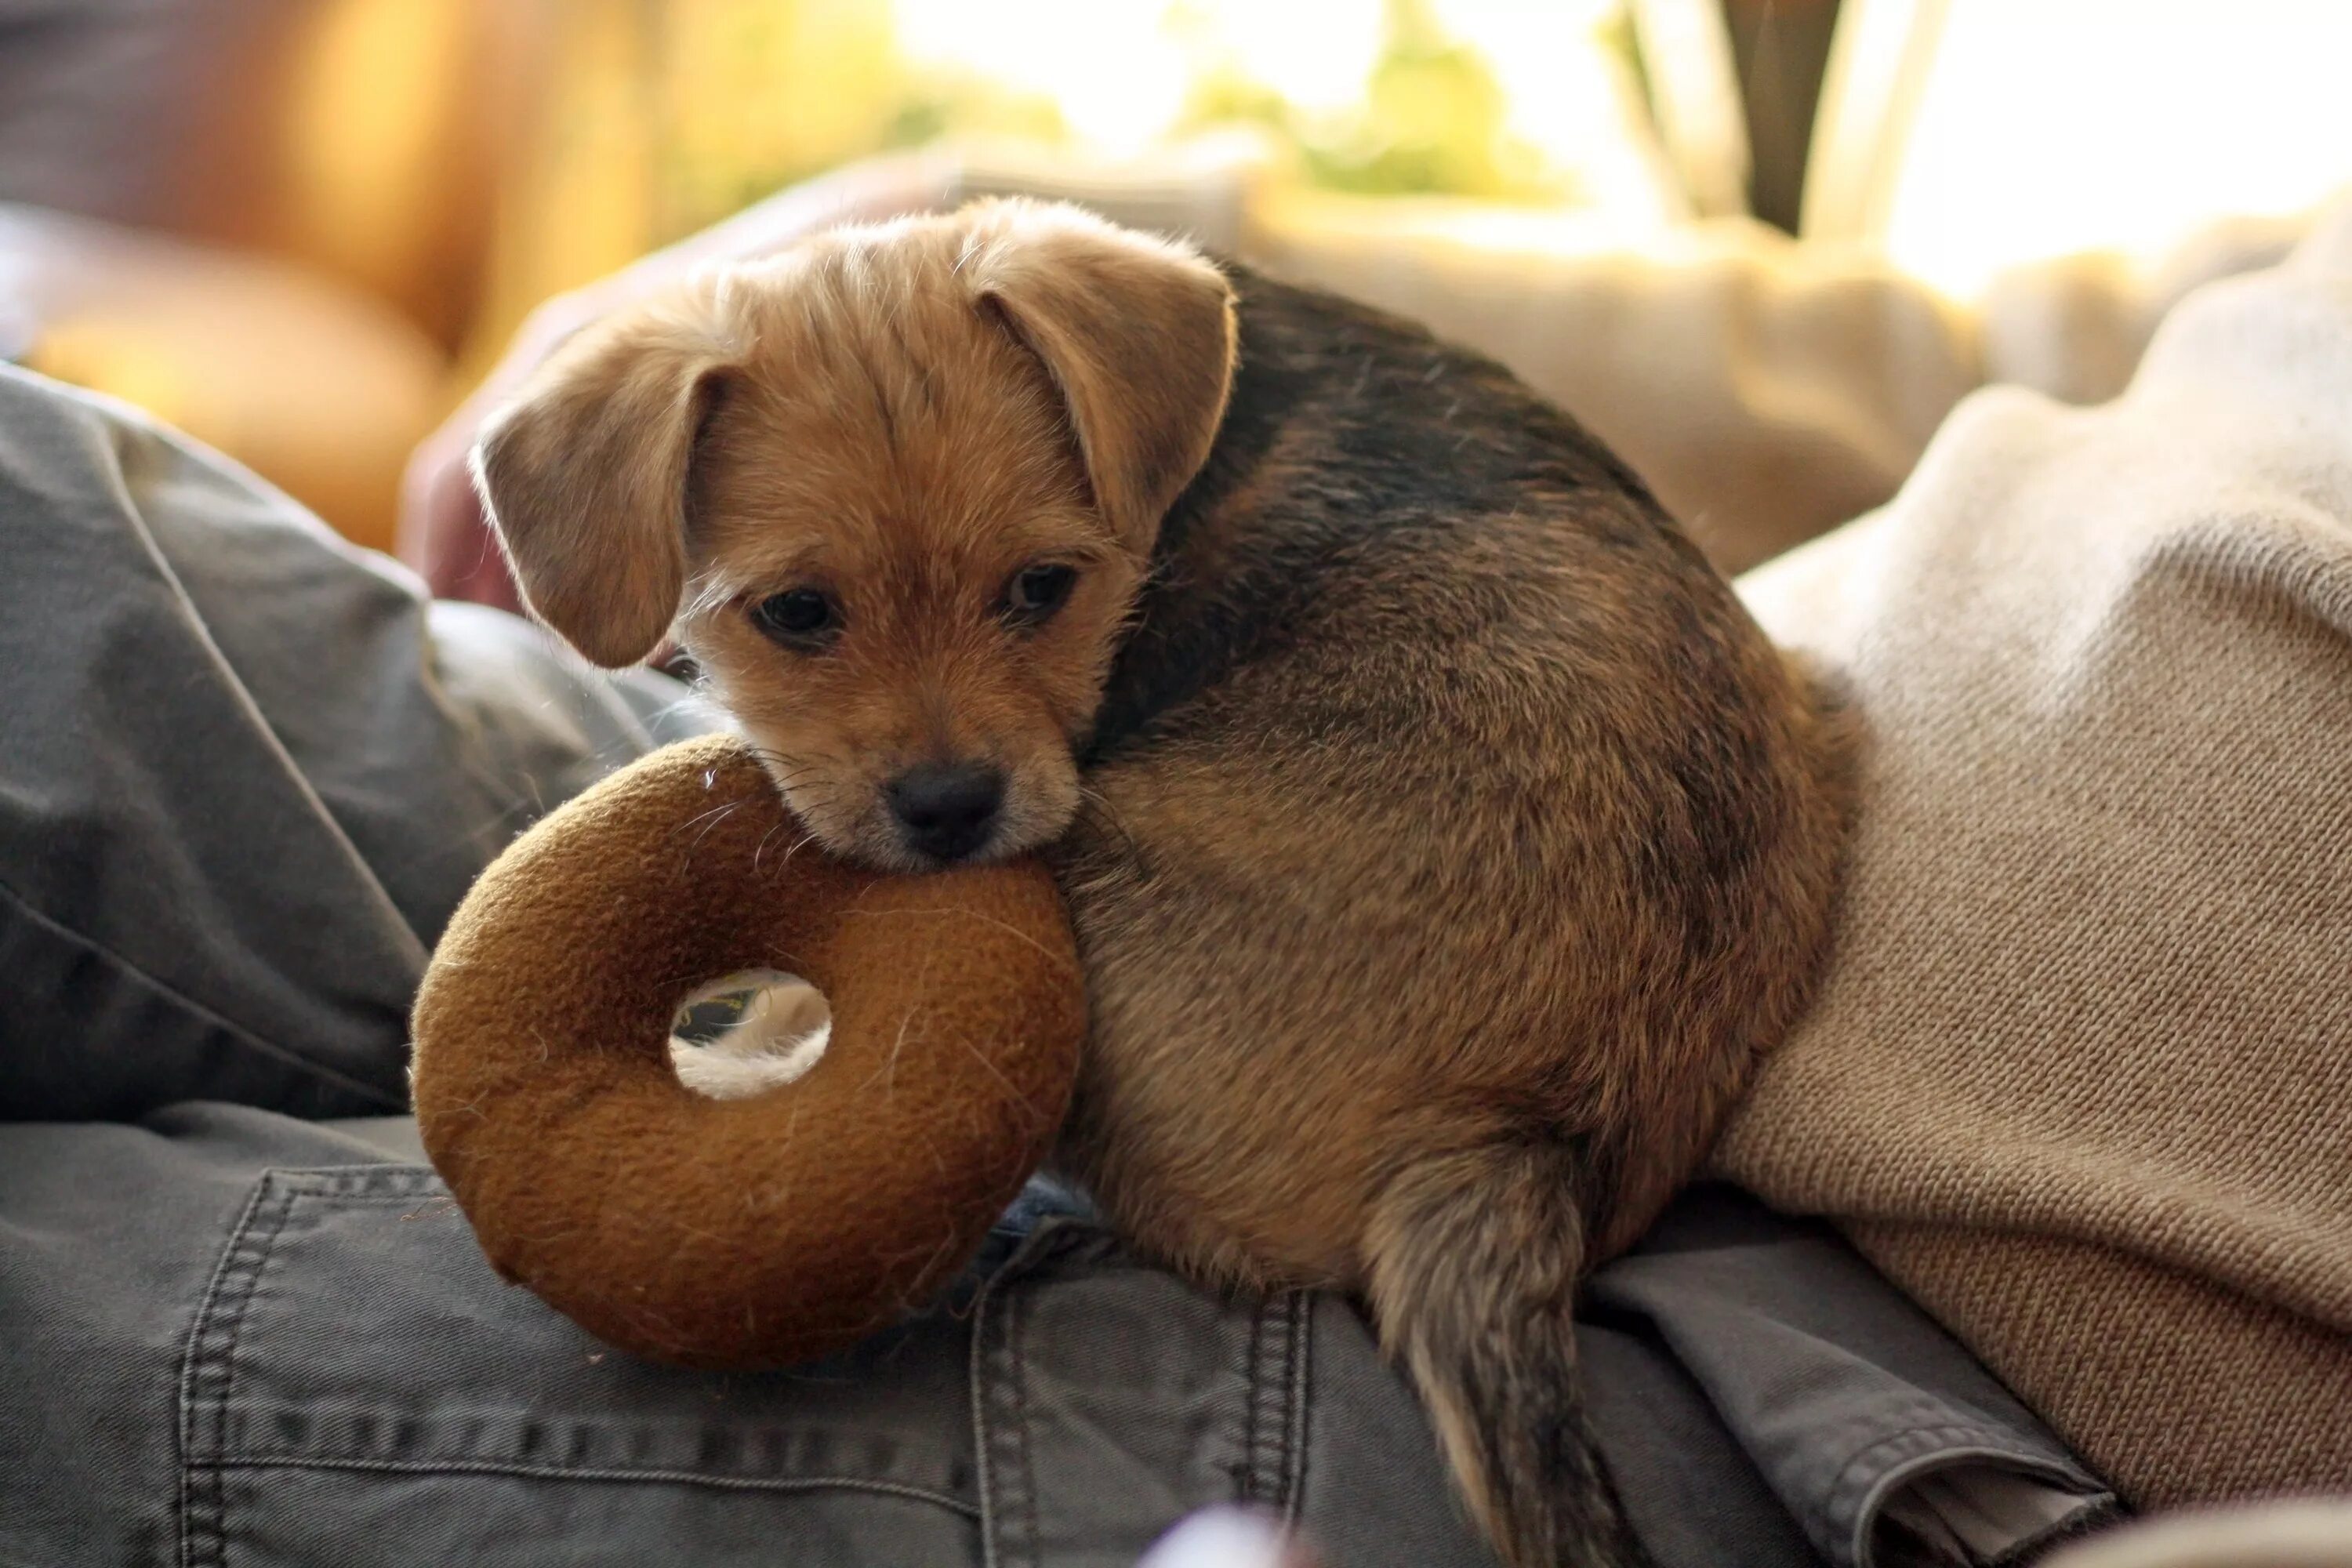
[{"x": 302, "y": 229}]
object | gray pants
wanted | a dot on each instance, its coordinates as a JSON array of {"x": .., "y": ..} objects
[{"x": 246, "y": 773}]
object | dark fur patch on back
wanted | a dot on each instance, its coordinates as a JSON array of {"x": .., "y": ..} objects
[{"x": 1351, "y": 436}]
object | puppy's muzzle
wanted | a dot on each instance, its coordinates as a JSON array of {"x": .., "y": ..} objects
[{"x": 947, "y": 810}]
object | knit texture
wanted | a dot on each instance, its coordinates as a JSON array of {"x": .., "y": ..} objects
[{"x": 2080, "y": 1074}]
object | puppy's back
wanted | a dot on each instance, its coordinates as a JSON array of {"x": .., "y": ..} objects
[{"x": 1457, "y": 844}]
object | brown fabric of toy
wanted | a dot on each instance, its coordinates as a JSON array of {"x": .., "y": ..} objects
[{"x": 750, "y": 1233}]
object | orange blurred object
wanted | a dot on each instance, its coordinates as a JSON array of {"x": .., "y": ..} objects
[{"x": 265, "y": 221}]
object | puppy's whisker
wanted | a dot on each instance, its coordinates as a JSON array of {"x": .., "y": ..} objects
[
  {"x": 760, "y": 850},
  {"x": 707, "y": 820},
  {"x": 775, "y": 760},
  {"x": 1098, "y": 804},
  {"x": 708, "y": 599},
  {"x": 783, "y": 861}
]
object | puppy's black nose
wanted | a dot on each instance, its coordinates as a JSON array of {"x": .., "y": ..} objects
[{"x": 948, "y": 808}]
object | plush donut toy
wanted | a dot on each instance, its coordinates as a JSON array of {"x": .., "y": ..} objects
[{"x": 758, "y": 1232}]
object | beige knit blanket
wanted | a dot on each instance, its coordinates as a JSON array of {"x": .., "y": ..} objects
[{"x": 2079, "y": 1078}]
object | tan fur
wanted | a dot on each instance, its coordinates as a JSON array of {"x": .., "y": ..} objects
[
  {"x": 1421, "y": 965},
  {"x": 870, "y": 426},
  {"x": 588, "y": 472}
]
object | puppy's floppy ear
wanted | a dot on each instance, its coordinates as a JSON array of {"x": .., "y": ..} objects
[
  {"x": 584, "y": 473},
  {"x": 1137, "y": 334}
]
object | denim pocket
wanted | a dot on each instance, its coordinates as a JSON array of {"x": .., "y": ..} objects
[
  {"x": 360, "y": 1388},
  {"x": 1110, "y": 1399}
]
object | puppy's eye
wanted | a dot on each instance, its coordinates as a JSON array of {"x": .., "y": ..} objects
[
  {"x": 1036, "y": 592},
  {"x": 800, "y": 617}
]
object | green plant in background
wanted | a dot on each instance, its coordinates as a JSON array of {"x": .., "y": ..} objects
[
  {"x": 1617, "y": 36},
  {"x": 745, "y": 97},
  {"x": 748, "y": 97},
  {"x": 1432, "y": 120}
]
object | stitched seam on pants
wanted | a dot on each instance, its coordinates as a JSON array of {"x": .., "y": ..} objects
[
  {"x": 1014, "y": 1308},
  {"x": 982, "y": 1429},
  {"x": 220, "y": 1314},
  {"x": 265, "y": 1247},
  {"x": 372, "y": 1181},
  {"x": 1848, "y": 1500},
  {"x": 284, "y": 1055},
  {"x": 189, "y": 1359},
  {"x": 1244, "y": 1471},
  {"x": 1008, "y": 1490},
  {"x": 1267, "y": 1436},
  {"x": 268, "y": 1461},
  {"x": 1302, "y": 1354},
  {"x": 1255, "y": 1482},
  {"x": 990, "y": 1478}
]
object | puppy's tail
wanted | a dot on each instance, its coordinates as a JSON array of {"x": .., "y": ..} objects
[{"x": 1473, "y": 1263}]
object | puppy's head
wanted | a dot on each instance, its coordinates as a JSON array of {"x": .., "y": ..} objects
[{"x": 896, "y": 489}]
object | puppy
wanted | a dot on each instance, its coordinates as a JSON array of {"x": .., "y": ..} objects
[{"x": 1444, "y": 841}]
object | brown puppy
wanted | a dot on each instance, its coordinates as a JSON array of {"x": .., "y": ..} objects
[{"x": 1445, "y": 842}]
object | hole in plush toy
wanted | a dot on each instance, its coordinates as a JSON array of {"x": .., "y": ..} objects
[{"x": 745, "y": 1033}]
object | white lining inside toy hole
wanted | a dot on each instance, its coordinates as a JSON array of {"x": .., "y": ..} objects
[{"x": 747, "y": 1033}]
